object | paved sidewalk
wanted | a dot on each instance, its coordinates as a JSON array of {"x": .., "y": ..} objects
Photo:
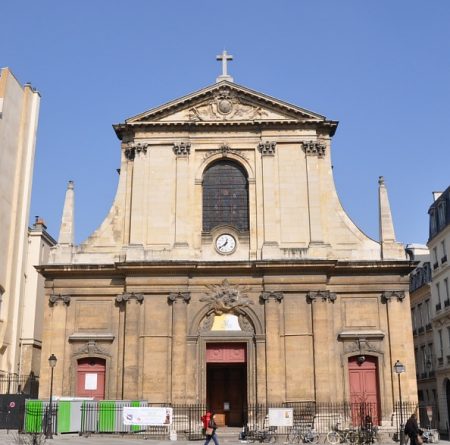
[{"x": 74, "y": 439}]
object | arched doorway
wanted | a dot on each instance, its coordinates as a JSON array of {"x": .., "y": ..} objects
[
  {"x": 364, "y": 388},
  {"x": 226, "y": 381},
  {"x": 91, "y": 377}
]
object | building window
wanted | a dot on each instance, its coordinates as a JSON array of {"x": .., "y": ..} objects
[
  {"x": 447, "y": 296},
  {"x": 225, "y": 196},
  {"x": 430, "y": 356},
  {"x": 441, "y": 344},
  {"x": 435, "y": 258},
  {"x": 427, "y": 312},
  {"x": 444, "y": 252},
  {"x": 441, "y": 214},
  {"x": 438, "y": 294},
  {"x": 433, "y": 228}
]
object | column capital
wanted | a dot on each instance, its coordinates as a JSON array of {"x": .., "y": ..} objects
[
  {"x": 134, "y": 148},
  {"x": 54, "y": 299},
  {"x": 391, "y": 294},
  {"x": 312, "y": 148},
  {"x": 324, "y": 295},
  {"x": 182, "y": 148},
  {"x": 266, "y": 296},
  {"x": 179, "y": 296},
  {"x": 267, "y": 148},
  {"x": 128, "y": 296}
]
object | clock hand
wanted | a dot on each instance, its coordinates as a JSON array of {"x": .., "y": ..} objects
[{"x": 224, "y": 244}]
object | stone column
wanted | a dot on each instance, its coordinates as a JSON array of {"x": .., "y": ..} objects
[
  {"x": 182, "y": 151},
  {"x": 179, "y": 300},
  {"x": 138, "y": 228},
  {"x": 131, "y": 374},
  {"x": 274, "y": 357},
  {"x": 400, "y": 326},
  {"x": 313, "y": 152},
  {"x": 270, "y": 195},
  {"x": 322, "y": 327},
  {"x": 54, "y": 340}
]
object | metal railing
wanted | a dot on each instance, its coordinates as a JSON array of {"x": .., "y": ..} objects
[{"x": 19, "y": 384}]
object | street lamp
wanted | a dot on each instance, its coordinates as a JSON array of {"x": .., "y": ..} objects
[
  {"x": 52, "y": 363},
  {"x": 399, "y": 368}
]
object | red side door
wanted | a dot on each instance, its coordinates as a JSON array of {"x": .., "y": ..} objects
[
  {"x": 91, "y": 378},
  {"x": 364, "y": 389}
]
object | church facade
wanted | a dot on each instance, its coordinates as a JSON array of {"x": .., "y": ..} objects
[{"x": 226, "y": 271}]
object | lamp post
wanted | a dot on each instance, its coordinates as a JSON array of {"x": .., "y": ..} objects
[
  {"x": 52, "y": 363},
  {"x": 399, "y": 368}
]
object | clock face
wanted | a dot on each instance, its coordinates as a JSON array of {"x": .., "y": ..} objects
[{"x": 225, "y": 243}]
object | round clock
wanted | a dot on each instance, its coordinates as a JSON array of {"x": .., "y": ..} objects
[{"x": 225, "y": 243}]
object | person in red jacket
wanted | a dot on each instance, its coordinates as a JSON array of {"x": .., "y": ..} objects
[
  {"x": 205, "y": 420},
  {"x": 212, "y": 426}
]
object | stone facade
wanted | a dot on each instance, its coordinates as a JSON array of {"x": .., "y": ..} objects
[
  {"x": 438, "y": 242},
  {"x": 287, "y": 278},
  {"x": 19, "y": 112}
]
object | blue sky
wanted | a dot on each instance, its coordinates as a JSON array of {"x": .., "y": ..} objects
[{"x": 381, "y": 68}]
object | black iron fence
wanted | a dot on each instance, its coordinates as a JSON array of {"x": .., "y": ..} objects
[
  {"x": 19, "y": 384},
  {"x": 107, "y": 417}
]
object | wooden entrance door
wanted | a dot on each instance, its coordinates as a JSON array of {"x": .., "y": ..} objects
[
  {"x": 91, "y": 378},
  {"x": 364, "y": 389},
  {"x": 226, "y": 383}
]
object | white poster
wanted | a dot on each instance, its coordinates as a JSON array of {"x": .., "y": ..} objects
[
  {"x": 281, "y": 417},
  {"x": 90, "y": 381},
  {"x": 147, "y": 415}
]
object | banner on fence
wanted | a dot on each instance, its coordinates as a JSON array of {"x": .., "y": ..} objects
[
  {"x": 147, "y": 416},
  {"x": 281, "y": 416}
]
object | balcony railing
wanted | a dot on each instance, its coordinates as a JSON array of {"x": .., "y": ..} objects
[
  {"x": 438, "y": 307},
  {"x": 428, "y": 327},
  {"x": 444, "y": 259},
  {"x": 440, "y": 361},
  {"x": 446, "y": 303},
  {"x": 435, "y": 265}
]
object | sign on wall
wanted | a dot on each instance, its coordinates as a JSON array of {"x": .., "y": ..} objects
[
  {"x": 281, "y": 416},
  {"x": 147, "y": 416}
]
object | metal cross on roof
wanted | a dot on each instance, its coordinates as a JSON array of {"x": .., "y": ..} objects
[{"x": 224, "y": 57}]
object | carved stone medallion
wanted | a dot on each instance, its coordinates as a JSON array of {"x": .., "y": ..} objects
[{"x": 226, "y": 297}]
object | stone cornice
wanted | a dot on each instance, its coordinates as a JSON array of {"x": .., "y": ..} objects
[
  {"x": 54, "y": 299},
  {"x": 179, "y": 296},
  {"x": 336, "y": 267}
]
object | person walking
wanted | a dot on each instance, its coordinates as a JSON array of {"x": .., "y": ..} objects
[
  {"x": 413, "y": 431},
  {"x": 211, "y": 431}
]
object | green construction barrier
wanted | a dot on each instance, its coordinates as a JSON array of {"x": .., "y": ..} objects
[
  {"x": 64, "y": 409},
  {"x": 34, "y": 415},
  {"x": 135, "y": 403},
  {"x": 106, "y": 416}
]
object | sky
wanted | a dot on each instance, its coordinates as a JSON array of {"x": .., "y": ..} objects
[{"x": 381, "y": 68}]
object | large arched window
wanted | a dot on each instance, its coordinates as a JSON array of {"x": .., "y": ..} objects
[{"x": 225, "y": 196}]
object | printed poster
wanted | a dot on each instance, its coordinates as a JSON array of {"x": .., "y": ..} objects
[
  {"x": 143, "y": 415},
  {"x": 281, "y": 416}
]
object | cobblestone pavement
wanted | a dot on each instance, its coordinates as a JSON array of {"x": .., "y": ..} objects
[{"x": 11, "y": 438}]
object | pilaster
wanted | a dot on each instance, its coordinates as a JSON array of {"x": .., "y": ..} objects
[
  {"x": 275, "y": 366},
  {"x": 314, "y": 151},
  {"x": 179, "y": 300},
  {"x": 131, "y": 375},
  {"x": 322, "y": 327}
]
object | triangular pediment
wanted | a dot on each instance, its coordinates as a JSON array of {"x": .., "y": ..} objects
[{"x": 225, "y": 102}]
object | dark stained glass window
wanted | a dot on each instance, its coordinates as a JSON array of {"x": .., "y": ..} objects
[{"x": 225, "y": 196}]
